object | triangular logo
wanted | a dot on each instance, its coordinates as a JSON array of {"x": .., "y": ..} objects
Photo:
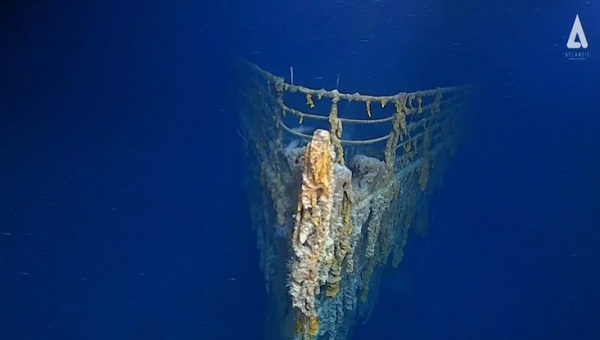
[{"x": 577, "y": 32}]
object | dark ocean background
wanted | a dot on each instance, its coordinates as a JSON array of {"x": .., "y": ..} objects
[{"x": 122, "y": 211}]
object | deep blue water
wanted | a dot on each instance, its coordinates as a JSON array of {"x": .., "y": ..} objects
[{"x": 122, "y": 213}]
